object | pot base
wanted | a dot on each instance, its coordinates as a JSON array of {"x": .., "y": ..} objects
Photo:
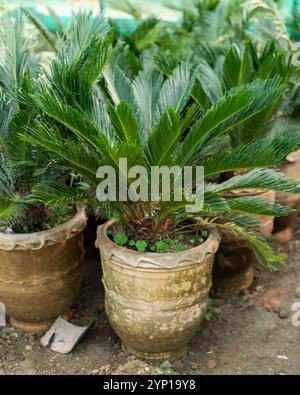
[
  {"x": 31, "y": 327},
  {"x": 235, "y": 282},
  {"x": 170, "y": 356}
]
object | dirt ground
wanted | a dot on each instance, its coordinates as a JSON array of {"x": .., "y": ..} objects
[{"x": 252, "y": 334}]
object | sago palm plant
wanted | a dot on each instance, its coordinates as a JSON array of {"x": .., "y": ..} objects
[
  {"x": 244, "y": 64},
  {"x": 85, "y": 124},
  {"x": 21, "y": 166}
]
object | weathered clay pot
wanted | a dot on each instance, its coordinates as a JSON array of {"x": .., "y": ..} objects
[
  {"x": 234, "y": 265},
  {"x": 155, "y": 302},
  {"x": 283, "y": 225},
  {"x": 40, "y": 273}
]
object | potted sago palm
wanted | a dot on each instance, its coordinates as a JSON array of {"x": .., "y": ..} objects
[
  {"x": 158, "y": 246},
  {"x": 41, "y": 248},
  {"x": 234, "y": 267}
]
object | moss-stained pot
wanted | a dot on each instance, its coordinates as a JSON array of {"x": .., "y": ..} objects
[
  {"x": 234, "y": 267},
  {"x": 283, "y": 225},
  {"x": 40, "y": 273},
  {"x": 155, "y": 302}
]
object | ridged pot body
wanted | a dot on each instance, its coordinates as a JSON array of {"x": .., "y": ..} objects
[
  {"x": 40, "y": 273},
  {"x": 233, "y": 270},
  {"x": 283, "y": 225},
  {"x": 155, "y": 302}
]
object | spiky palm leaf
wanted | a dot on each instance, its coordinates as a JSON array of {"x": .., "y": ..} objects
[{"x": 12, "y": 206}]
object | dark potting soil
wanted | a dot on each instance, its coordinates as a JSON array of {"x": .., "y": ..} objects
[
  {"x": 38, "y": 219},
  {"x": 163, "y": 244}
]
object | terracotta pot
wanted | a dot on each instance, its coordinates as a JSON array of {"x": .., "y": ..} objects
[
  {"x": 234, "y": 265},
  {"x": 283, "y": 225},
  {"x": 155, "y": 302},
  {"x": 40, "y": 273}
]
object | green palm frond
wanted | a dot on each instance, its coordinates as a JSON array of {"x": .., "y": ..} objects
[
  {"x": 12, "y": 207},
  {"x": 79, "y": 35},
  {"x": 261, "y": 246},
  {"x": 16, "y": 148},
  {"x": 82, "y": 54},
  {"x": 268, "y": 151},
  {"x": 266, "y": 179},
  {"x": 176, "y": 90},
  {"x": 165, "y": 63},
  {"x": 7, "y": 177},
  {"x": 209, "y": 81},
  {"x": 48, "y": 37},
  {"x": 231, "y": 110},
  {"x": 146, "y": 89},
  {"x": 146, "y": 34},
  {"x": 16, "y": 65},
  {"x": 129, "y": 7},
  {"x": 70, "y": 153},
  {"x": 132, "y": 152},
  {"x": 57, "y": 20},
  {"x": 214, "y": 204},
  {"x": 119, "y": 86},
  {"x": 256, "y": 205},
  {"x": 56, "y": 193},
  {"x": 99, "y": 116},
  {"x": 73, "y": 119},
  {"x": 166, "y": 135},
  {"x": 16, "y": 46},
  {"x": 238, "y": 66},
  {"x": 7, "y": 110},
  {"x": 242, "y": 65},
  {"x": 169, "y": 125},
  {"x": 125, "y": 123},
  {"x": 11, "y": 211}
]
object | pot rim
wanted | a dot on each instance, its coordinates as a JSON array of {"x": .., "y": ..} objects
[
  {"x": 37, "y": 240},
  {"x": 213, "y": 238}
]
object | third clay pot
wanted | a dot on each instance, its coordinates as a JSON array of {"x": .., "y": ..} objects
[
  {"x": 234, "y": 265},
  {"x": 283, "y": 229}
]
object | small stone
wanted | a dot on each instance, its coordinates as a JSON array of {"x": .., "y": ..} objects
[
  {"x": 28, "y": 348},
  {"x": 105, "y": 368},
  {"x": 94, "y": 372},
  {"x": 297, "y": 293},
  {"x": 211, "y": 364},
  {"x": 178, "y": 365},
  {"x": 284, "y": 357},
  {"x": 283, "y": 313},
  {"x": 166, "y": 365}
]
